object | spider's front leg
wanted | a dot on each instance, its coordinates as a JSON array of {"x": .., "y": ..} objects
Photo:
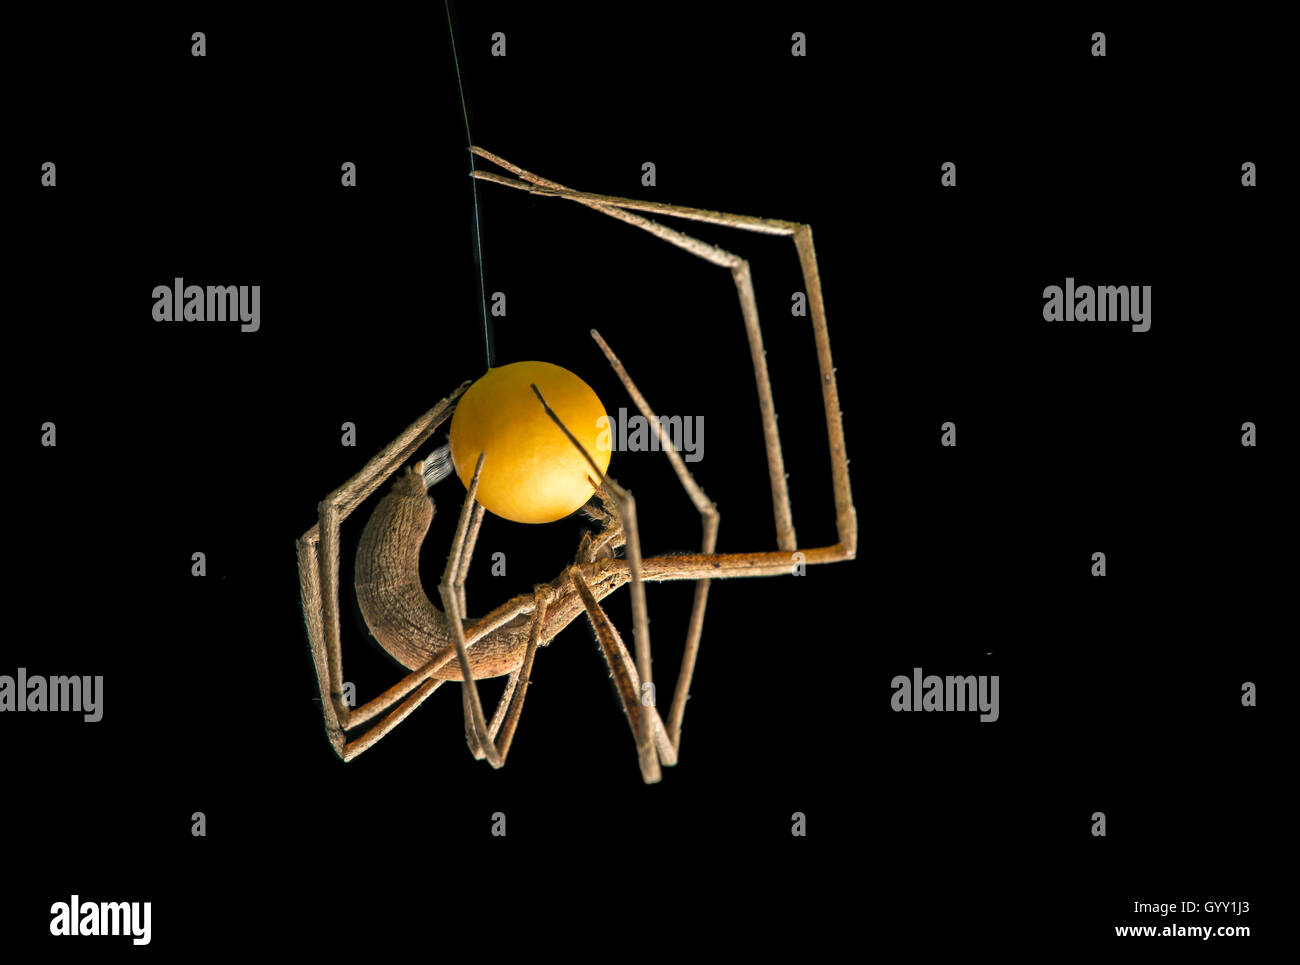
[{"x": 624, "y": 210}]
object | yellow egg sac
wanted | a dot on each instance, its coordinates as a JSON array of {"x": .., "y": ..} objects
[{"x": 531, "y": 473}]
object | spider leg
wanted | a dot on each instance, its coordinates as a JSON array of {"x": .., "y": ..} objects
[
  {"x": 483, "y": 742},
  {"x": 541, "y": 599},
  {"x": 315, "y": 567},
  {"x": 452, "y": 590},
  {"x": 641, "y": 722},
  {"x": 462, "y": 573},
  {"x": 709, "y": 518},
  {"x": 506, "y": 701},
  {"x": 498, "y": 716},
  {"x": 475, "y": 521},
  {"x": 622, "y": 209},
  {"x": 353, "y": 747},
  {"x": 318, "y": 569},
  {"x": 639, "y": 713}
]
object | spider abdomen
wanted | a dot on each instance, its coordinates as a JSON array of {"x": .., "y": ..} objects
[{"x": 393, "y": 602}]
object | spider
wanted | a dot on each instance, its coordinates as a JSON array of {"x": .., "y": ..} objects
[{"x": 437, "y": 646}]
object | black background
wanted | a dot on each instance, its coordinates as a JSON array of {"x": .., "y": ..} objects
[{"x": 1119, "y": 694}]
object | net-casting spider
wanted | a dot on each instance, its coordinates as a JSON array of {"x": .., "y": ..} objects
[{"x": 440, "y": 645}]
